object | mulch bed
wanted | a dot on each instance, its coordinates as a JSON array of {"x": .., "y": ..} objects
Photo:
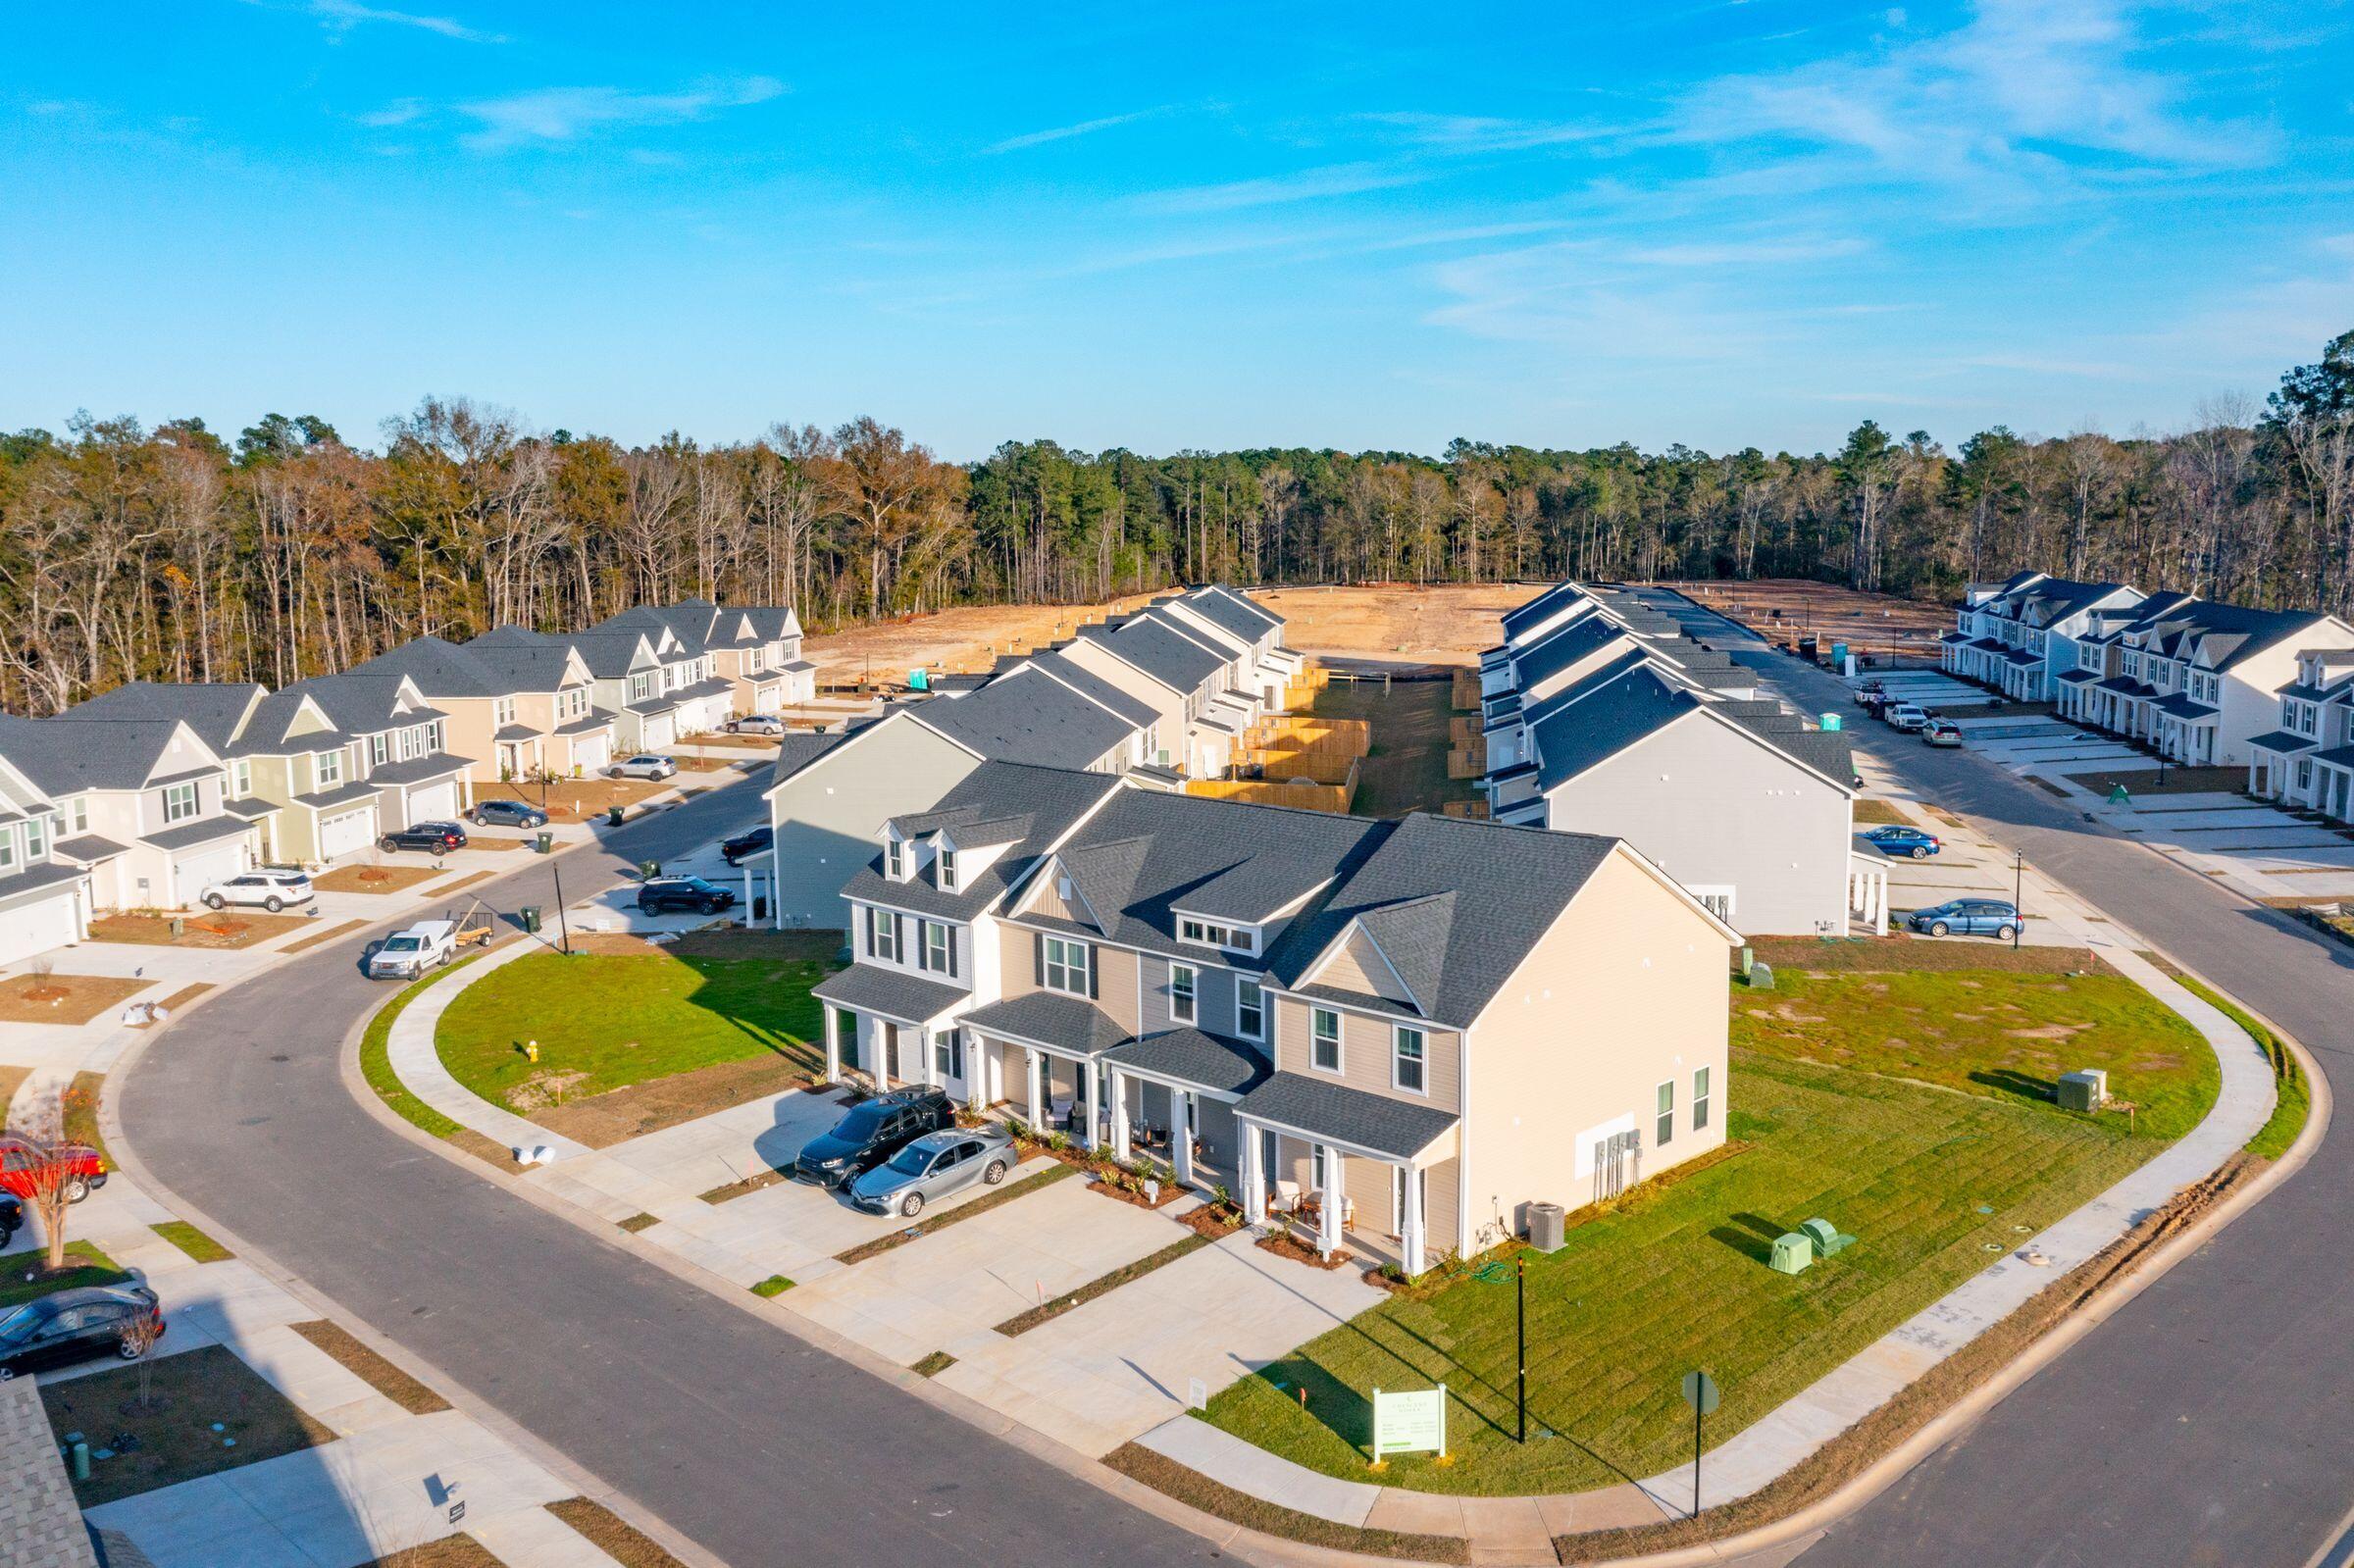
[
  {"x": 1170, "y": 1193},
  {"x": 375, "y": 878},
  {"x": 460, "y": 1551},
  {"x": 1284, "y": 1244},
  {"x": 65, "y": 998},
  {"x": 1211, "y": 1220},
  {"x": 371, "y": 1368},
  {"x": 203, "y": 929}
]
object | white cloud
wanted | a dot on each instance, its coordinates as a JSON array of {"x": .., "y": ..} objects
[
  {"x": 1085, "y": 128},
  {"x": 551, "y": 115},
  {"x": 1477, "y": 134},
  {"x": 340, "y": 16},
  {"x": 1313, "y": 184},
  {"x": 399, "y": 112}
]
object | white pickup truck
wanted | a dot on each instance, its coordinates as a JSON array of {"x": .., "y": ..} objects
[{"x": 407, "y": 954}]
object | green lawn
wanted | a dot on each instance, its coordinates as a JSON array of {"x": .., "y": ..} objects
[
  {"x": 609, "y": 1021},
  {"x": 85, "y": 1265},
  {"x": 1674, "y": 1277}
]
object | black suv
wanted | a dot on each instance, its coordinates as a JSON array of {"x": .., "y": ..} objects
[
  {"x": 684, "y": 892},
  {"x": 745, "y": 846},
  {"x": 69, "y": 1324},
  {"x": 872, "y": 1132},
  {"x": 434, "y": 838}
]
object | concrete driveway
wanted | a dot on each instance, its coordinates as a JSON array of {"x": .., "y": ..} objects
[{"x": 1107, "y": 1372}]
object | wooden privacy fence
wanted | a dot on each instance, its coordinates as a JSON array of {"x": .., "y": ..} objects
[
  {"x": 1333, "y": 797},
  {"x": 1339, "y": 737},
  {"x": 1466, "y": 691},
  {"x": 1316, "y": 767},
  {"x": 1474, "y": 810}
]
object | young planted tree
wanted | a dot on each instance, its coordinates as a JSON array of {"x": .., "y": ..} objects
[{"x": 54, "y": 1175}]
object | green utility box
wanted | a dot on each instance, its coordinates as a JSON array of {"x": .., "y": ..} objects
[
  {"x": 530, "y": 918},
  {"x": 1826, "y": 1238},
  {"x": 2085, "y": 1091},
  {"x": 1793, "y": 1253}
]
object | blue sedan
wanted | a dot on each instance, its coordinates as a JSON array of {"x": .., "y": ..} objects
[
  {"x": 1967, "y": 917},
  {"x": 1911, "y": 843}
]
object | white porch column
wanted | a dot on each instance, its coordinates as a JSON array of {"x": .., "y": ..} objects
[
  {"x": 880, "y": 1069},
  {"x": 929, "y": 1068},
  {"x": 1328, "y": 1218},
  {"x": 833, "y": 1044},
  {"x": 1181, "y": 1135},
  {"x": 776, "y": 889},
  {"x": 976, "y": 1073},
  {"x": 1879, "y": 905},
  {"x": 1253, "y": 1180},
  {"x": 1030, "y": 1082},
  {"x": 1087, "y": 1102},
  {"x": 1409, "y": 1227},
  {"x": 1119, "y": 1113}
]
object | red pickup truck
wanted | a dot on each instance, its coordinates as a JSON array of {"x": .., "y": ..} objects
[{"x": 87, "y": 1170}]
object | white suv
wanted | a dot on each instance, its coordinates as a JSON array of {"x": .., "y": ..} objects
[{"x": 273, "y": 890}]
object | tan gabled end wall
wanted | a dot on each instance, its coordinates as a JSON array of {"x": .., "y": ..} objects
[{"x": 1627, "y": 990}]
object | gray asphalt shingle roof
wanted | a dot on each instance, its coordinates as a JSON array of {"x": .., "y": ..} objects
[
  {"x": 1192, "y": 1056},
  {"x": 1027, "y": 717},
  {"x": 1050, "y": 1017},
  {"x": 1048, "y": 799},
  {"x": 213, "y": 710},
  {"x": 1153, "y": 645},
  {"x": 64, "y": 755},
  {"x": 203, "y": 831},
  {"x": 1230, "y": 612},
  {"x": 1373, "y": 1122},
  {"x": 1088, "y": 684},
  {"x": 872, "y": 988}
]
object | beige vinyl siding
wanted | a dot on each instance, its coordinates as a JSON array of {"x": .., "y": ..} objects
[
  {"x": 1047, "y": 900},
  {"x": 1626, "y": 989},
  {"x": 1115, "y": 972},
  {"x": 1366, "y": 1045},
  {"x": 1360, "y": 967}
]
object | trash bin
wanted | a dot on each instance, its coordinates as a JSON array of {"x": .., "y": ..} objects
[
  {"x": 613, "y": 816},
  {"x": 530, "y": 918},
  {"x": 759, "y": 906},
  {"x": 547, "y": 843}
]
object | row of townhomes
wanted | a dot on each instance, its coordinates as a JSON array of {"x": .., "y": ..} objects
[
  {"x": 140, "y": 798},
  {"x": 1602, "y": 715},
  {"x": 2206, "y": 684},
  {"x": 1157, "y": 696},
  {"x": 1412, "y": 1028}
]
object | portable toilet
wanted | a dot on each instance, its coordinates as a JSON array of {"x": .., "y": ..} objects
[
  {"x": 919, "y": 680},
  {"x": 1832, "y": 724}
]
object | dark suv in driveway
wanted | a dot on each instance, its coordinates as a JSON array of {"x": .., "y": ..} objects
[
  {"x": 684, "y": 892},
  {"x": 434, "y": 838},
  {"x": 873, "y": 1131}
]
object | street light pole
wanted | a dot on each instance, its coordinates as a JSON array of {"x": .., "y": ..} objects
[
  {"x": 563, "y": 927},
  {"x": 2019, "y": 882},
  {"x": 1520, "y": 1335}
]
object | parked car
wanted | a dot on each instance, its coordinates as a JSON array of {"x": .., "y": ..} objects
[
  {"x": 1908, "y": 718},
  {"x": 758, "y": 723},
  {"x": 661, "y": 893},
  {"x": 1967, "y": 917},
  {"x": 72, "y": 1324},
  {"x": 932, "y": 1167},
  {"x": 12, "y": 1220},
  {"x": 407, "y": 954},
  {"x": 507, "y": 814},
  {"x": 1942, "y": 733},
  {"x": 434, "y": 838},
  {"x": 645, "y": 765},
  {"x": 273, "y": 890},
  {"x": 1910, "y": 842},
  {"x": 86, "y": 1171},
  {"x": 873, "y": 1131},
  {"x": 745, "y": 846}
]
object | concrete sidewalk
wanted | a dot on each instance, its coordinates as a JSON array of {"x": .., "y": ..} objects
[{"x": 409, "y": 1049}]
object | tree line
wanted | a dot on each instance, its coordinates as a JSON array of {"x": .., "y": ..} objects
[{"x": 170, "y": 553}]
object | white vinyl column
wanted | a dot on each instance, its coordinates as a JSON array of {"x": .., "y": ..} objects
[
  {"x": 1038, "y": 1099},
  {"x": 833, "y": 1044},
  {"x": 1119, "y": 1113},
  {"x": 1181, "y": 1134},
  {"x": 1328, "y": 1219},
  {"x": 1086, "y": 1103},
  {"x": 1253, "y": 1180},
  {"x": 1410, "y": 1223}
]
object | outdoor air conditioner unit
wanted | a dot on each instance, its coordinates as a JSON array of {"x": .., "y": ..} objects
[{"x": 1544, "y": 1227}]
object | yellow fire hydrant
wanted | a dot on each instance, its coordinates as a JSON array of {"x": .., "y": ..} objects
[{"x": 531, "y": 1050}]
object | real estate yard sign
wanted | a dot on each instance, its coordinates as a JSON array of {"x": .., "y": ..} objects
[{"x": 1409, "y": 1422}]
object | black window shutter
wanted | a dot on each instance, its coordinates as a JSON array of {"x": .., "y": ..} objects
[
  {"x": 870, "y": 931},
  {"x": 1091, "y": 971},
  {"x": 1038, "y": 951},
  {"x": 952, "y": 962},
  {"x": 923, "y": 945},
  {"x": 898, "y": 938}
]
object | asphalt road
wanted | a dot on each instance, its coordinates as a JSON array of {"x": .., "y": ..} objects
[
  {"x": 761, "y": 1449},
  {"x": 2208, "y": 1421}
]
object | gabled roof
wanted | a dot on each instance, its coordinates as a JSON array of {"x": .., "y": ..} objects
[
  {"x": 1046, "y": 800},
  {"x": 490, "y": 666},
  {"x": 1149, "y": 644},
  {"x": 363, "y": 703},
  {"x": 1551, "y": 601},
  {"x": 213, "y": 710},
  {"x": 1231, "y": 612},
  {"x": 271, "y": 730},
  {"x": 1027, "y": 717},
  {"x": 1080, "y": 678},
  {"x": 1376, "y": 1123},
  {"x": 66, "y": 754},
  {"x": 1411, "y": 935},
  {"x": 1562, "y": 648}
]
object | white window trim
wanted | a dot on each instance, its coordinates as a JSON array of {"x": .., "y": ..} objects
[
  {"x": 1340, "y": 1043},
  {"x": 1260, "y": 1033},
  {"x": 1662, "y": 1139},
  {"x": 896, "y": 859},
  {"x": 1703, "y": 1097},
  {"x": 1078, "y": 962},
  {"x": 943, "y": 868},
  {"x": 1398, "y": 1033},
  {"x": 194, "y": 798},
  {"x": 1190, "y": 994}
]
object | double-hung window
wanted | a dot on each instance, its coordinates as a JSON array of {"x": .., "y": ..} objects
[
  {"x": 1412, "y": 1071},
  {"x": 894, "y": 860},
  {"x": 947, "y": 1053},
  {"x": 943, "y": 869},
  {"x": 1700, "y": 1100},
  {"x": 327, "y": 768},
  {"x": 240, "y": 778},
  {"x": 1324, "y": 1039},
  {"x": 883, "y": 935},
  {"x": 1249, "y": 1010},
  {"x": 180, "y": 802},
  {"x": 36, "y": 839},
  {"x": 8, "y": 848},
  {"x": 1184, "y": 988},
  {"x": 82, "y": 813},
  {"x": 1066, "y": 965},
  {"x": 939, "y": 948},
  {"x": 376, "y": 749},
  {"x": 1663, "y": 1130}
]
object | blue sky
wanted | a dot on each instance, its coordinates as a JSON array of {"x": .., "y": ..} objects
[{"x": 1214, "y": 225}]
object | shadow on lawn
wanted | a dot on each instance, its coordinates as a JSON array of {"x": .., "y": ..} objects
[
  {"x": 2021, "y": 1085},
  {"x": 1751, "y": 1235}
]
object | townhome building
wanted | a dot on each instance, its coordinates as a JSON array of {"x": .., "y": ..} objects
[
  {"x": 658, "y": 688},
  {"x": 2307, "y": 762},
  {"x": 522, "y": 710},
  {"x": 46, "y": 892},
  {"x": 140, "y": 805},
  {"x": 1410, "y": 1029},
  {"x": 2196, "y": 680},
  {"x": 2022, "y": 635},
  {"x": 756, "y": 650},
  {"x": 1208, "y": 662},
  {"x": 345, "y": 759}
]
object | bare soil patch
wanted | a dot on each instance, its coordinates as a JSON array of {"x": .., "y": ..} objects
[
  {"x": 460, "y": 1551},
  {"x": 587, "y": 799},
  {"x": 1399, "y": 622},
  {"x": 200, "y": 928},
  {"x": 375, "y": 878},
  {"x": 603, "y": 1120},
  {"x": 1897, "y": 952},
  {"x": 966, "y": 639},
  {"x": 1783, "y": 609},
  {"x": 64, "y": 998},
  {"x": 171, "y": 1427},
  {"x": 605, "y": 1530}
]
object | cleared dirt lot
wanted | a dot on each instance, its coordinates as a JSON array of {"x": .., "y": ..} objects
[
  {"x": 966, "y": 639},
  {"x": 1397, "y": 621},
  {"x": 1869, "y": 623}
]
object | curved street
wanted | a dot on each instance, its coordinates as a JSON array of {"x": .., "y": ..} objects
[
  {"x": 758, "y": 1447},
  {"x": 2203, "y": 1423}
]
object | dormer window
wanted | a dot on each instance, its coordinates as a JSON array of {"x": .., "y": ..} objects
[
  {"x": 895, "y": 859},
  {"x": 1210, "y": 934},
  {"x": 943, "y": 868}
]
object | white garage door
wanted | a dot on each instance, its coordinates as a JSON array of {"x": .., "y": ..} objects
[
  {"x": 35, "y": 928},
  {"x": 200, "y": 869},
  {"x": 591, "y": 754},
  {"x": 768, "y": 699},
  {"x": 656, "y": 733},
  {"x": 347, "y": 831},
  {"x": 434, "y": 803}
]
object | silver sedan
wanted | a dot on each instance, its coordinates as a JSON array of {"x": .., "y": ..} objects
[{"x": 932, "y": 1167}]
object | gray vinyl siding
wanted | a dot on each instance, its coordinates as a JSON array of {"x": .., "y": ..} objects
[
  {"x": 829, "y": 815},
  {"x": 1213, "y": 991}
]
